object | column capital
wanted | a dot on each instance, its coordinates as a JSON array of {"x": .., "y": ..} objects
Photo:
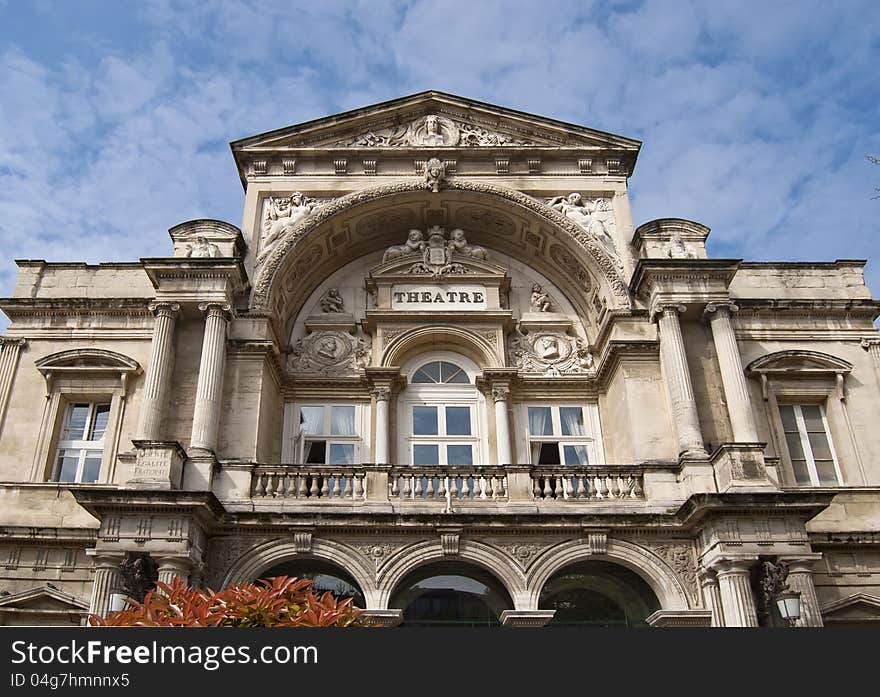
[
  {"x": 707, "y": 577},
  {"x": 164, "y": 309},
  {"x": 800, "y": 563},
  {"x": 727, "y": 307},
  {"x": 381, "y": 394},
  {"x": 215, "y": 309},
  {"x": 727, "y": 566},
  {"x": 8, "y": 341},
  {"x": 667, "y": 309},
  {"x": 868, "y": 344},
  {"x": 500, "y": 393},
  {"x": 387, "y": 379}
]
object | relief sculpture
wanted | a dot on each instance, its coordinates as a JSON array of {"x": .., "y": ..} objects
[
  {"x": 329, "y": 353},
  {"x": 596, "y": 216},
  {"x": 550, "y": 353},
  {"x": 437, "y": 253}
]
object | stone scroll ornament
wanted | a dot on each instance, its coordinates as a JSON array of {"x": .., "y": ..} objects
[
  {"x": 550, "y": 353},
  {"x": 329, "y": 353},
  {"x": 595, "y": 216},
  {"x": 431, "y": 130}
]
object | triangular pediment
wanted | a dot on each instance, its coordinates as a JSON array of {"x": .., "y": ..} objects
[
  {"x": 43, "y": 598},
  {"x": 860, "y": 607},
  {"x": 435, "y": 119}
]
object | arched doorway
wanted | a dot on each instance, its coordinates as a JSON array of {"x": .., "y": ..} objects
[
  {"x": 598, "y": 594},
  {"x": 325, "y": 577},
  {"x": 451, "y": 594}
]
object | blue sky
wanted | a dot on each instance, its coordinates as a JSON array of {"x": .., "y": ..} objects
[{"x": 756, "y": 117}]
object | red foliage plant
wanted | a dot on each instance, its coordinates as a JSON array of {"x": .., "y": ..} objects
[{"x": 275, "y": 602}]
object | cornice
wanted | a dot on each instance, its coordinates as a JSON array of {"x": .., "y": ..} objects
[{"x": 15, "y": 307}]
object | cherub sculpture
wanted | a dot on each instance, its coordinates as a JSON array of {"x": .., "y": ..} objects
[
  {"x": 458, "y": 244},
  {"x": 415, "y": 243},
  {"x": 540, "y": 301},
  {"x": 332, "y": 301}
]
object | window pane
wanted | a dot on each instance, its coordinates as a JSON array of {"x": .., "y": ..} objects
[
  {"x": 99, "y": 421},
  {"x": 813, "y": 417},
  {"x": 545, "y": 453},
  {"x": 789, "y": 423},
  {"x": 428, "y": 373},
  {"x": 311, "y": 420},
  {"x": 451, "y": 373},
  {"x": 540, "y": 423},
  {"x": 801, "y": 474},
  {"x": 342, "y": 421},
  {"x": 92, "y": 467},
  {"x": 459, "y": 455},
  {"x": 426, "y": 455},
  {"x": 341, "y": 454},
  {"x": 75, "y": 425},
  {"x": 827, "y": 473},
  {"x": 572, "y": 420},
  {"x": 315, "y": 452},
  {"x": 819, "y": 445},
  {"x": 576, "y": 455},
  {"x": 67, "y": 463},
  {"x": 795, "y": 450},
  {"x": 425, "y": 421},
  {"x": 458, "y": 421}
]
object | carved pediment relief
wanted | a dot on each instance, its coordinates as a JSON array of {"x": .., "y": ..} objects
[
  {"x": 431, "y": 130},
  {"x": 432, "y": 253},
  {"x": 549, "y": 352},
  {"x": 207, "y": 239}
]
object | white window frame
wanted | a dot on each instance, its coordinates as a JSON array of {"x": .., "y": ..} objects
[
  {"x": 81, "y": 444},
  {"x": 293, "y": 444},
  {"x": 442, "y": 395},
  {"x": 593, "y": 438},
  {"x": 805, "y": 443}
]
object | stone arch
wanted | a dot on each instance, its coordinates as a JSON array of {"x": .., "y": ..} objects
[
  {"x": 487, "y": 558},
  {"x": 280, "y": 268},
  {"x": 457, "y": 339},
  {"x": 660, "y": 577},
  {"x": 248, "y": 566}
]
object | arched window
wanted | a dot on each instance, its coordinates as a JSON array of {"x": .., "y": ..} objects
[
  {"x": 441, "y": 413},
  {"x": 440, "y": 373}
]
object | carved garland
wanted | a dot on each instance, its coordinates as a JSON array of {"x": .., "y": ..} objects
[{"x": 608, "y": 264}]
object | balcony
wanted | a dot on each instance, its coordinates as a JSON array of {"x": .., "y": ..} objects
[{"x": 398, "y": 488}]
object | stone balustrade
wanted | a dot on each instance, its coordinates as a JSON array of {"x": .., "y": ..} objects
[
  {"x": 309, "y": 482},
  {"x": 586, "y": 484},
  {"x": 473, "y": 484},
  {"x": 450, "y": 483}
]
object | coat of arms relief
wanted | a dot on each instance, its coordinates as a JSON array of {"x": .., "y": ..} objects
[{"x": 431, "y": 131}]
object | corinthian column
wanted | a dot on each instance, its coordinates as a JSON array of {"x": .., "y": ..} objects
[
  {"x": 800, "y": 579},
  {"x": 501, "y": 395},
  {"x": 210, "y": 387},
  {"x": 383, "y": 436},
  {"x": 678, "y": 382},
  {"x": 158, "y": 377},
  {"x": 10, "y": 349},
  {"x": 108, "y": 577},
  {"x": 736, "y": 593},
  {"x": 736, "y": 389}
]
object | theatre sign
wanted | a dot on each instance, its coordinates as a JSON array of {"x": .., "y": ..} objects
[{"x": 437, "y": 357}]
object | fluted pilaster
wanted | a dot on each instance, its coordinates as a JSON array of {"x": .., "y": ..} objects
[
  {"x": 737, "y": 600},
  {"x": 678, "y": 382},
  {"x": 10, "y": 350},
  {"x": 712, "y": 596},
  {"x": 174, "y": 567},
  {"x": 736, "y": 389},
  {"x": 800, "y": 579},
  {"x": 210, "y": 386},
  {"x": 872, "y": 346},
  {"x": 158, "y": 377},
  {"x": 108, "y": 577}
]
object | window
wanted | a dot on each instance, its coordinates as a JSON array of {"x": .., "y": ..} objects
[
  {"x": 810, "y": 450},
  {"x": 442, "y": 435},
  {"x": 81, "y": 442},
  {"x": 441, "y": 413},
  {"x": 560, "y": 435},
  {"x": 328, "y": 434}
]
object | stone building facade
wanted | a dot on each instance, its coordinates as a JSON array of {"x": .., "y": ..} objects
[{"x": 439, "y": 367}]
